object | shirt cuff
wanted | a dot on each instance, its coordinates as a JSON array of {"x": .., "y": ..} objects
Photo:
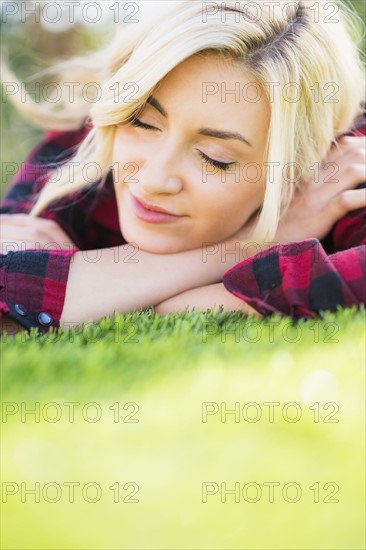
[
  {"x": 276, "y": 280},
  {"x": 33, "y": 287}
]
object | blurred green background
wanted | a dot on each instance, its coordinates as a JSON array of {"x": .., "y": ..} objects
[
  {"x": 32, "y": 48},
  {"x": 175, "y": 411}
]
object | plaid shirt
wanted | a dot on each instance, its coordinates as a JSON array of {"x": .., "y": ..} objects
[{"x": 299, "y": 279}]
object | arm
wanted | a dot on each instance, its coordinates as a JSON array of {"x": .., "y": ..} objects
[
  {"x": 203, "y": 298},
  {"x": 300, "y": 279},
  {"x": 59, "y": 288},
  {"x": 136, "y": 282}
]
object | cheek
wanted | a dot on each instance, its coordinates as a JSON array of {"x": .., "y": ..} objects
[
  {"x": 218, "y": 216},
  {"x": 226, "y": 207},
  {"x": 125, "y": 159},
  {"x": 220, "y": 200},
  {"x": 126, "y": 146}
]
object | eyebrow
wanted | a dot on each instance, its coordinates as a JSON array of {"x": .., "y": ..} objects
[
  {"x": 155, "y": 103},
  {"x": 211, "y": 132}
]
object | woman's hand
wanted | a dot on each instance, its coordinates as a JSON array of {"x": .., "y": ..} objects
[
  {"x": 205, "y": 297},
  {"x": 23, "y": 232},
  {"x": 328, "y": 197}
]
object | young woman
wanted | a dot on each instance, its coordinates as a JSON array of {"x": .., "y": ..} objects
[{"x": 223, "y": 163}]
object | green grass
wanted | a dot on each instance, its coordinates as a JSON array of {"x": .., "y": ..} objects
[{"x": 166, "y": 371}]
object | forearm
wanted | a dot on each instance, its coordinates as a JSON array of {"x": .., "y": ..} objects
[
  {"x": 206, "y": 297},
  {"x": 123, "y": 280}
]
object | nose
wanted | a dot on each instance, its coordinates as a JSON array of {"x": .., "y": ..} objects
[{"x": 160, "y": 174}]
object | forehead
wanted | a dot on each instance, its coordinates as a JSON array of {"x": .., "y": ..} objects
[
  {"x": 200, "y": 69},
  {"x": 209, "y": 87}
]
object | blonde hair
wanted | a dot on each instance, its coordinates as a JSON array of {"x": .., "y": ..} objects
[{"x": 313, "y": 50}]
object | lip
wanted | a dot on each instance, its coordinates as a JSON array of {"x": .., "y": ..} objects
[{"x": 151, "y": 213}]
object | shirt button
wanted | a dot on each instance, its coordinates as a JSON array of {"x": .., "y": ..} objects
[
  {"x": 45, "y": 319},
  {"x": 21, "y": 310}
]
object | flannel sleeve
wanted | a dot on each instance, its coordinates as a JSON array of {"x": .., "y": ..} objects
[
  {"x": 33, "y": 287},
  {"x": 300, "y": 279}
]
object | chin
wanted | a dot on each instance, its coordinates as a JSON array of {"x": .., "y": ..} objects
[
  {"x": 154, "y": 246},
  {"x": 159, "y": 248}
]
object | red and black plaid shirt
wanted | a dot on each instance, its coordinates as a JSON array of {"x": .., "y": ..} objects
[{"x": 300, "y": 279}]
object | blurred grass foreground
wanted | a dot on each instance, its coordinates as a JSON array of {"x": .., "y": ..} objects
[{"x": 195, "y": 431}]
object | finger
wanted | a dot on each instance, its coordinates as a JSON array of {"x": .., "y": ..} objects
[
  {"x": 349, "y": 177},
  {"x": 14, "y": 233},
  {"x": 12, "y": 245},
  {"x": 346, "y": 145},
  {"x": 19, "y": 240},
  {"x": 51, "y": 230},
  {"x": 344, "y": 154},
  {"x": 336, "y": 168},
  {"x": 354, "y": 199},
  {"x": 27, "y": 220},
  {"x": 20, "y": 234},
  {"x": 15, "y": 218},
  {"x": 352, "y": 175},
  {"x": 347, "y": 141},
  {"x": 346, "y": 202},
  {"x": 45, "y": 231},
  {"x": 355, "y": 155}
]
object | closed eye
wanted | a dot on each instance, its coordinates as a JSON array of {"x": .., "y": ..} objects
[
  {"x": 216, "y": 163},
  {"x": 137, "y": 122}
]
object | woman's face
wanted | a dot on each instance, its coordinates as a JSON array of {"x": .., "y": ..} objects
[{"x": 189, "y": 112}]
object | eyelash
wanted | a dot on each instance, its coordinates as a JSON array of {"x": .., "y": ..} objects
[
  {"x": 137, "y": 122},
  {"x": 221, "y": 165}
]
